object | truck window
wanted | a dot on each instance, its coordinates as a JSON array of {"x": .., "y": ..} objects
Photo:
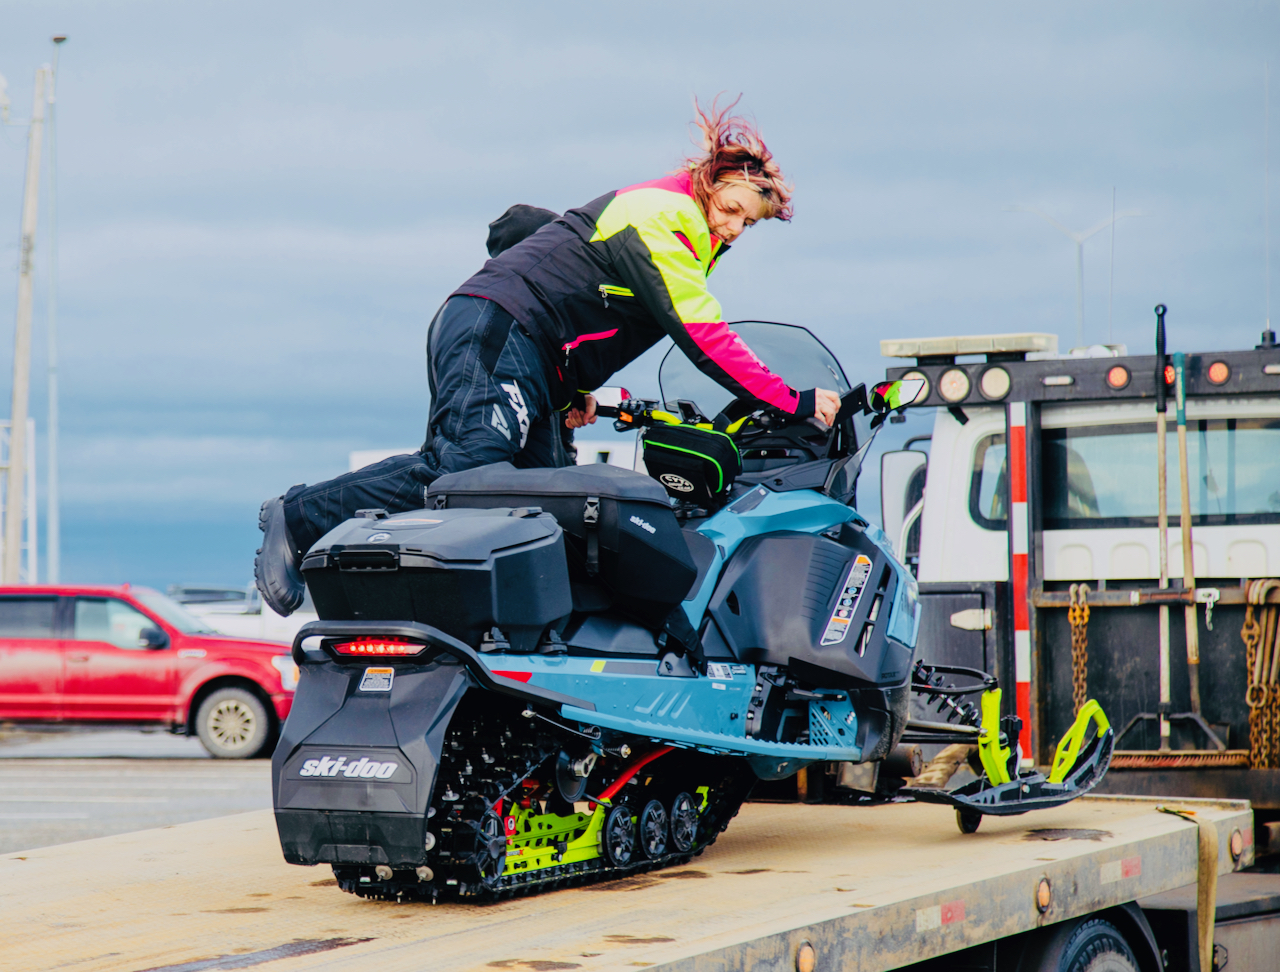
[
  {"x": 109, "y": 620},
  {"x": 1105, "y": 476},
  {"x": 987, "y": 486},
  {"x": 27, "y": 617}
]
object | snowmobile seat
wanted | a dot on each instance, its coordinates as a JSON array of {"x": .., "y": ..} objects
[{"x": 620, "y": 531}]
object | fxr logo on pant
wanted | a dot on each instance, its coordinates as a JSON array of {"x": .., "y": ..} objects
[{"x": 516, "y": 399}]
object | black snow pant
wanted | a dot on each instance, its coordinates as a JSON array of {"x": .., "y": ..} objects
[{"x": 490, "y": 402}]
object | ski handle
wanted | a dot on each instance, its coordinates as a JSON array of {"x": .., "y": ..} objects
[{"x": 1064, "y": 760}]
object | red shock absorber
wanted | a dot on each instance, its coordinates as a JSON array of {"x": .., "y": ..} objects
[{"x": 631, "y": 770}]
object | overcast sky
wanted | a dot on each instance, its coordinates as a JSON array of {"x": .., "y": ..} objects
[{"x": 262, "y": 204}]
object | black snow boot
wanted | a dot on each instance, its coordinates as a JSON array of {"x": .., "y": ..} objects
[{"x": 275, "y": 568}]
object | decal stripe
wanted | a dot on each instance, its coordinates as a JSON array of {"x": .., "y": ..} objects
[
  {"x": 515, "y": 676},
  {"x": 1019, "y": 572}
]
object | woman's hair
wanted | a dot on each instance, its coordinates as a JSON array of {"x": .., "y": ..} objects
[{"x": 735, "y": 152}]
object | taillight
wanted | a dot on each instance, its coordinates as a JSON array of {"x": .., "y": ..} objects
[{"x": 378, "y": 646}]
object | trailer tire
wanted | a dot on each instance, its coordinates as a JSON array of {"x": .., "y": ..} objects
[
  {"x": 232, "y": 723},
  {"x": 1090, "y": 945}
]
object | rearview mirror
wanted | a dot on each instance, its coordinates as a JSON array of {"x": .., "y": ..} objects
[
  {"x": 890, "y": 395},
  {"x": 153, "y": 638},
  {"x": 608, "y": 399}
]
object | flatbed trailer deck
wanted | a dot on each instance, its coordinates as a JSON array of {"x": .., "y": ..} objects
[{"x": 868, "y": 888}]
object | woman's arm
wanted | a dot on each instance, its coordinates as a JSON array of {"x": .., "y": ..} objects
[{"x": 658, "y": 261}]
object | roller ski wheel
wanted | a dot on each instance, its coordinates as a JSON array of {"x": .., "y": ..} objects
[
  {"x": 618, "y": 840},
  {"x": 653, "y": 830},
  {"x": 684, "y": 823}
]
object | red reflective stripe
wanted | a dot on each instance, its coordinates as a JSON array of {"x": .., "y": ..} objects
[
  {"x": 514, "y": 676},
  {"x": 1024, "y": 713},
  {"x": 1018, "y": 463},
  {"x": 731, "y": 353},
  {"x": 1021, "y": 613},
  {"x": 598, "y": 336}
]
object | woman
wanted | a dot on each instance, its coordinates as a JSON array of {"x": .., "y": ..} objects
[{"x": 554, "y": 316}]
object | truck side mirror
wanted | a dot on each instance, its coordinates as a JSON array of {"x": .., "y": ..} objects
[
  {"x": 153, "y": 638},
  {"x": 897, "y": 472}
]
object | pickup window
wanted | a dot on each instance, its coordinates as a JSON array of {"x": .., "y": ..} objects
[
  {"x": 27, "y": 617},
  {"x": 1104, "y": 476}
]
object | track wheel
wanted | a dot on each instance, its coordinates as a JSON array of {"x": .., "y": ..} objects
[
  {"x": 968, "y": 820},
  {"x": 653, "y": 830},
  {"x": 491, "y": 850},
  {"x": 619, "y": 836},
  {"x": 684, "y": 822}
]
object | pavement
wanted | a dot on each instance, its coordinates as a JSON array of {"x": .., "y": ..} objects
[{"x": 62, "y": 786}]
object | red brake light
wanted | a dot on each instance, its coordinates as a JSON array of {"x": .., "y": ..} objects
[
  {"x": 1168, "y": 374},
  {"x": 378, "y": 646}
]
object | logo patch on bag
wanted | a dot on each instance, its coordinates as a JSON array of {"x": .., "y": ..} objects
[
  {"x": 648, "y": 528},
  {"x": 377, "y": 679},
  {"x": 678, "y": 483}
]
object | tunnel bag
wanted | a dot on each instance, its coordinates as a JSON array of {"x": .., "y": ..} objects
[
  {"x": 620, "y": 530},
  {"x": 692, "y": 464},
  {"x": 463, "y": 571}
]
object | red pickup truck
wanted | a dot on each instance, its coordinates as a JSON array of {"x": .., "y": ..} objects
[{"x": 130, "y": 655}]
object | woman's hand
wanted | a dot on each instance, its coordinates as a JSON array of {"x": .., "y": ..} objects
[
  {"x": 828, "y": 405},
  {"x": 577, "y": 417}
]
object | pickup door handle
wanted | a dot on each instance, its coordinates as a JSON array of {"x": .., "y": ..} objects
[{"x": 77, "y": 658}]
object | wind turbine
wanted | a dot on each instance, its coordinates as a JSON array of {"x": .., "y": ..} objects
[{"x": 1079, "y": 238}]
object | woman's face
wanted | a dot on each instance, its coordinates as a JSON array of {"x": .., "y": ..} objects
[{"x": 732, "y": 208}]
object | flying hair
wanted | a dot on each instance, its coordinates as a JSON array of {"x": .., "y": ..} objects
[{"x": 735, "y": 152}]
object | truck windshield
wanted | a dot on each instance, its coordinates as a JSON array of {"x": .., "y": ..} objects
[
  {"x": 790, "y": 352},
  {"x": 1104, "y": 476},
  {"x": 171, "y": 611}
]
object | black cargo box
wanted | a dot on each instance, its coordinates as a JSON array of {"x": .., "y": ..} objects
[
  {"x": 620, "y": 530},
  {"x": 462, "y": 571}
]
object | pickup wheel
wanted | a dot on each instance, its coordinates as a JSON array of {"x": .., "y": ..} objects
[
  {"x": 1091, "y": 945},
  {"x": 232, "y": 724}
]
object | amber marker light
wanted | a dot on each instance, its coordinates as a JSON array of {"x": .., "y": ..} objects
[
  {"x": 1118, "y": 377},
  {"x": 953, "y": 386},
  {"x": 1044, "y": 895},
  {"x": 806, "y": 958},
  {"x": 1219, "y": 372}
]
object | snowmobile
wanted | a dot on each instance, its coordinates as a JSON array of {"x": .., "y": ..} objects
[{"x": 554, "y": 676}]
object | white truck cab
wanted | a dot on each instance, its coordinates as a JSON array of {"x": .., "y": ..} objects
[{"x": 1041, "y": 473}]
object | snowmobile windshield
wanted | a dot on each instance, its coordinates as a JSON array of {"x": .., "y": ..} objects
[{"x": 790, "y": 352}]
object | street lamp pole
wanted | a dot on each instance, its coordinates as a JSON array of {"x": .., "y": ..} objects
[
  {"x": 54, "y": 535},
  {"x": 17, "y": 472}
]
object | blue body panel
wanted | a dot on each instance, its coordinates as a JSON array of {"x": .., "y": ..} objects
[{"x": 709, "y": 713}]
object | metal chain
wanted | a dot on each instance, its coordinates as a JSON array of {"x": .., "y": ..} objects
[
  {"x": 1262, "y": 696},
  {"x": 1078, "y": 617}
]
